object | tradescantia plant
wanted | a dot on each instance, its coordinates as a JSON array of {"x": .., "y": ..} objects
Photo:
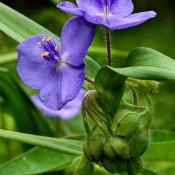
[{"x": 117, "y": 128}]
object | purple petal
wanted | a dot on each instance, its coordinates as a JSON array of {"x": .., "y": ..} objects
[
  {"x": 32, "y": 69},
  {"x": 130, "y": 21},
  {"x": 70, "y": 110},
  {"x": 69, "y": 8},
  {"x": 76, "y": 37},
  {"x": 64, "y": 87},
  {"x": 96, "y": 18},
  {"x": 90, "y": 6},
  {"x": 121, "y": 8}
]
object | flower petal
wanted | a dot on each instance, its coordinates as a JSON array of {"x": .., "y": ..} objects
[
  {"x": 96, "y": 19},
  {"x": 90, "y": 6},
  {"x": 69, "y": 8},
  {"x": 70, "y": 110},
  {"x": 64, "y": 87},
  {"x": 121, "y": 8},
  {"x": 76, "y": 37},
  {"x": 32, "y": 69},
  {"x": 115, "y": 23}
]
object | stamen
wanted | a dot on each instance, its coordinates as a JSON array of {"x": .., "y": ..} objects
[
  {"x": 49, "y": 38},
  {"x": 44, "y": 54},
  {"x": 38, "y": 43},
  {"x": 56, "y": 48},
  {"x": 44, "y": 38}
]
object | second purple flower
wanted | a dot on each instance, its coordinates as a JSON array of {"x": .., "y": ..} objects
[{"x": 113, "y": 14}]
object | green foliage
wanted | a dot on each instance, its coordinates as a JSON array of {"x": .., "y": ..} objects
[
  {"x": 62, "y": 145},
  {"x": 16, "y": 102},
  {"x": 148, "y": 64},
  {"x": 35, "y": 161},
  {"x": 110, "y": 88},
  {"x": 17, "y": 26}
]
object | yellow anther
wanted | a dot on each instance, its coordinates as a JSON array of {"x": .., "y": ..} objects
[
  {"x": 44, "y": 38},
  {"x": 56, "y": 48},
  {"x": 44, "y": 54},
  {"x": 38, "y": 43},
  {"x": 49, "y": 38}
]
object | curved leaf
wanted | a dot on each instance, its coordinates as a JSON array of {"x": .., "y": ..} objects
[
  {"x": 110, "y": 88},
  {"x": 148, "y": 64}
]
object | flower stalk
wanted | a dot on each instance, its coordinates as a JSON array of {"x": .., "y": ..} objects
[
  {"x": 89, "y": 80},
  {"x": 108, "y": 46}
]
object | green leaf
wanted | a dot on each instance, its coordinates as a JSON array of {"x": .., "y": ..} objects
[
  {"x": 62, "y": 145},
  {"x": 5, "y": 58},
  {"x": 35, "y": 161},
  {"x": 91, "y": 67},
  {"x": 27, "y": 118},
  {"x": 148, "y": 172},
  {"x": 148, "y": 64},
  {"x": 161, "y": 136},
  {"x": 160, "y": 151},
  {"x": 18, "y": 26},
  {"x": 110, "y": 88},
  {"x": 161, "y": 147}
]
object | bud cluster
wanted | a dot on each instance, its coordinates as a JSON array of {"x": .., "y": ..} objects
[
  {"x": 121, "y": 141},
  {"x": 121, "y": 151}
]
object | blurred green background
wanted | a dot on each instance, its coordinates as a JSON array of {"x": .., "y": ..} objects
[{"x": 158, "y": 34}]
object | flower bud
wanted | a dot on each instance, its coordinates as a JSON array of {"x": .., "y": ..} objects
[
  {"x": 115, "y": 166},
  {"x": 81, "y": 166},
  {"x": 116, "y": 146},
  {"x": 147, "y": 86},
  {"x": 93, "y": 149},
  {"x": 135, "y": 166},
  {"x": 128, "y": 124},
  {"x": 138, "y": 143}
]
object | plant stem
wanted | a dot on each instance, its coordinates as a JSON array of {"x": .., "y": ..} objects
[
  {"x": 108, "y": 46},
  {"x": 89, "y": 80}
]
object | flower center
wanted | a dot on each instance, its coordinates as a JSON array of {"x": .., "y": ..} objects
[{"x": 51, "y": 50}]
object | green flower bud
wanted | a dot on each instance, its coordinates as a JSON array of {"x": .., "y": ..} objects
[
  {"x": 116, "y": 146},
  {"x": 138, "y": 143},
  {"x": 108, "y": 151},
  {"x": 93, "y": 149},
  {"x": 135, "y": 166},
  {"x": 115, "y": 166},
  {"x": 147, "y": 86},
  {"x": 128, "y": 124},
  {"x": 81, "y": 166}
]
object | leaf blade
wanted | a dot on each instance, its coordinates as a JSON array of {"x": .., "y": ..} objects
[
  {"x": 148, "y": 64},
  {"x": 31, "y": 162},
  {"x": 110, "y": 88},
  {"x": 67, "y": 146},
  {"x": 17, "y": 26}
]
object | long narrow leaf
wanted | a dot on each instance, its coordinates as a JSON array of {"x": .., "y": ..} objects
[
  {"x": 17, "y": 26},
  {"x": 62, "y": 145},
  {"x": 35, "y": 161}
]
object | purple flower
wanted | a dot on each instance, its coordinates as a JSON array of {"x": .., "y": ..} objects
[
  {"x": 56, "y": 68},
  {"x": 70, "y": 110},
  {"x": 113, "y": 14}
]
